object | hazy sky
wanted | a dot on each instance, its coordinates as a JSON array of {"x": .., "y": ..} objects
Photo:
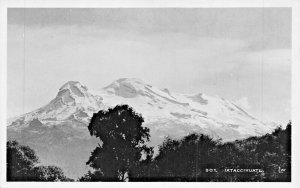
[{"x": 242, "y": 54}]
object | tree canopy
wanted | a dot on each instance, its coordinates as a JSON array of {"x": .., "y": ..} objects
[{"x": 122, "y": 146}]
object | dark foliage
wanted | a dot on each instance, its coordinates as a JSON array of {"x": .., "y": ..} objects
[
  {"x": 23, "y": 165},
  {"x": 119, "y": 156},
  {"x": 183, "y": 160},
  {"x": 196, "y": 157},
  {"x": 189, "y": 159}
]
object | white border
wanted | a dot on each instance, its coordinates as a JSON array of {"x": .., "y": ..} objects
[{"x": 294, "y": 4}]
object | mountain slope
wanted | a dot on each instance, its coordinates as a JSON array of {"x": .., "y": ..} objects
[{"x": 58, "y": 131}]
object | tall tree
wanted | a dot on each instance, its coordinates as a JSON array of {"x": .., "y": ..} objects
[{"x": 122, "y": 144}]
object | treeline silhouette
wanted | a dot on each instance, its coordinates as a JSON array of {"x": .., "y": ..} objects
[
  {"x": 200, "y": 158},
  {"x": 123, "y": 155},
  {"x": 196, "y": 157},
  {"x": 23, "y": 165}
]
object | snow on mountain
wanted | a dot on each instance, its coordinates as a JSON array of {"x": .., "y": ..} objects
[
  {"x": 199, "y": 112},
  {"x": 59, "y": 129},
  {"x": 73, "y": 101}
]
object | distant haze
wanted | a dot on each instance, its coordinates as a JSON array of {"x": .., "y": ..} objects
[{"x": 241, "y": 54}]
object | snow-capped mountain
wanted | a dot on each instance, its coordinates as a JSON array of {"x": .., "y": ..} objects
[
  {"x": 72, "y": 101},
  {"x": 58, "y": 131}
]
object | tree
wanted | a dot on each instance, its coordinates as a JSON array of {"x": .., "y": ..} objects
[
  {"x": 20, "y": 162},
  {"x": 185, "y": 159},
  {"x": 23, "y": 165},
  {"x": 49, "y": 173},
  {"x": 122, "y": 145}
]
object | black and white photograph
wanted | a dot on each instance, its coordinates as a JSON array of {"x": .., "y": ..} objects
[{"x": 149, "y": 94}]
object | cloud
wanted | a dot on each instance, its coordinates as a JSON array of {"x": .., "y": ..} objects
[
  {"x": 263, "y": 28},
  {"x": 243, "y": 103}
]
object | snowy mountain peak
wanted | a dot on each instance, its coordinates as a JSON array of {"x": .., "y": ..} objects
[
  {"x": 73, "y": 101},
  {"x": 74, "y": 87},
  {"x": 127, "y": 87},
  {"x": 71, "y": 93}
]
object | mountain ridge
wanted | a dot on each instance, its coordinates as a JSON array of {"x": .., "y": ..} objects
[{"x": 74, "y": 100}]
